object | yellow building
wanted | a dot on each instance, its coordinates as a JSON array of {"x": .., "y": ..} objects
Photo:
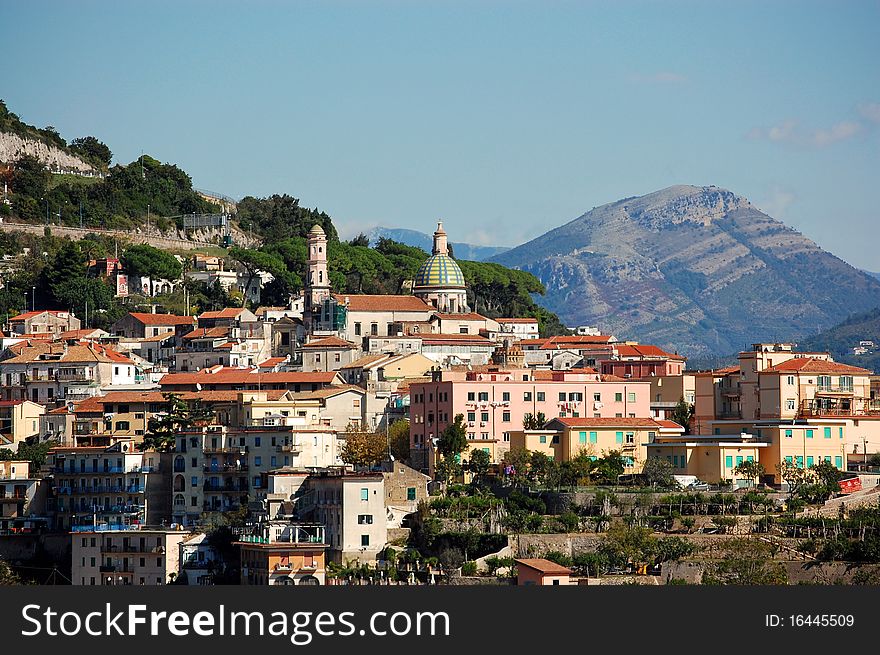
[
  {"x": 711, "y": 459},
  {"x": 19, "y": 420}
]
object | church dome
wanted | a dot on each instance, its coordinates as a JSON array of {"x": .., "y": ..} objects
[{"x": 439, "y": 270}]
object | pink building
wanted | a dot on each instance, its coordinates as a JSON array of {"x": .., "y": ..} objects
[
  {"x": 642, "y": 361},
  {"x": 494, "y": 402}
]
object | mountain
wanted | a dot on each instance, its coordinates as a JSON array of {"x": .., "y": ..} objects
[
  {"x": 699, "y": 270},
  {"x": 877, "y": 275},
  {"x": 424, "y": 241},
  {"x": 841, "y": 339}
]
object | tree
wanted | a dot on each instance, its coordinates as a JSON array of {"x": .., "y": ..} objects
[
  {"x": 92, "y": 150},
  {"x": 746, "y": 562},
  {"x": 255, "y": 261},
  {"x": 515, "y": 466},
  {"x": 672, "y": 549},
  {"x": 360, "y": 240},
  {"x": 453, "y": 440},
  {"x": 143, "y": 260},
  {"x": 35, "y": 453},
  {"x": 398, "y": 436},
  {"x": 658, "y": 472},
  {"x": 796, "y": 477},
  {"x": 683, "y": 413},
  {"x": 363, "y": 449},
  {"x": 534, "y": 421},
  {"x": 625, "y": 544},
  {"x": 30, "y": 177},
  {"x": 610, "y": 467},
  {"x": 750, "y": 469},
  {"x": 478, "y": 464},
  {"x": 8, "y": 577},
  {"x": 162, "y": 429}
]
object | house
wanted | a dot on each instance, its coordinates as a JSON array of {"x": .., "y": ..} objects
[
  {"x": 138, "y": 325},
  {"x": 519, "y": 328},
  {"x": 18, "y": 494},
  {"x": 327, "y": 354},
  {"x": 43, "y": 321},
  {"x": 198, "y": 560},
  {"x": 284, "y": 553},
  {"x": 642, "y": 361},
  {"x": 19, "y": 421},
  {"x": 220, "y": 378},
  {"x": 541, "y": 572},
  {"x": 123, "y": 557}
]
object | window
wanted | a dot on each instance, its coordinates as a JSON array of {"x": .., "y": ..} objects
[
  {"x": 739, "y": 460},
  {"x": 809, "y": 461},
  {"x": 788, "y": 434},
  {"x": 194, "y": 481},
  {"x": 618, "y": 437},
  {"x": 594, "y": 437},
  {"x": 258, "y": 461},
  {"x": 505, "y": 417},
  {"x": 575, "y": 396},
  {"x": 631, "y": 397},
  {"x": 484, "y": 416},
  {"x": 365, "y": 540},
  {"x": 505, "y": 397},
  {"x": 365, "y": 493},
  {"x": 540, "y": 396},
  {"x": 471, "y": 416},
  {"x": 789, "y": 404},
  {"x": 374, "y": 329},
  {"x": 846, "y": 383},
  {"x": 790, "y": 380},
  {"x": 484, "y": 396},
  {"x": 527, "y": 396},
  {"x": 618, "y": 397},
  {"x": 789, "y": 459},
  {"x": 827, "y": 432},
  {"x": 728, "y": 462},
  {"x": 357, "y": 329},
  {"x": 630, "y": 438},
  {"x": 410, "y": 493},
  {"x": 336, "y": 357},
  {"x": 273, "y": 462},
  {"x": 838, "y": 462},
  {"x": 824, "y": 381},
  {"x": 257, "y": 441},
  {"x": 555, "y": 439},
  {"x": 471, "y": 396},
  {"x": 122, "y": 425},
  {"x": 582, "y": 438},
  {"x": 840, "y": 432},
  {"x": 365, "y": 519},
  {"x": 542, "y": 438},
  {"x": 809, "y": 434},
  {"x": 799, "y": 461}
]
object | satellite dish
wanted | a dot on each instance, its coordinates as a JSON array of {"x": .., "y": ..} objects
[{"x": 198, "y": 386}]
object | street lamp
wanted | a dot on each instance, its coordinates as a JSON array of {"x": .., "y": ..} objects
[{"x": 33, "y": 298}]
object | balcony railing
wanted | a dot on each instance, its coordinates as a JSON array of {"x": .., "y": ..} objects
[
  {"x": 289, "y": 448},
  {"x": 829, "y": 388},
  {"x": 224, "y": 468},
  {"x": 227, "y": 488},
  {"x": 235, "y": 450}
]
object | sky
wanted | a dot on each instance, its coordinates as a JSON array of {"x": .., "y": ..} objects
[{"x": 503, "y": 119}]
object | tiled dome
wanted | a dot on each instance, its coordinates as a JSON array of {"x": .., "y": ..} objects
[{"x": 439, "y": 271}]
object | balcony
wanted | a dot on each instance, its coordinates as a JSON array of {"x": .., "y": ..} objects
[
  {"x": 132, "y": 548},
  {"x": 220, "y": 507},
  {"x": 289, "y": 448},
  {"x": 231, "y": 450},
  {"x": 12, "y": 499},
  {"x": 835, "y": 390},
  {"x": 224, "y": 468},
  {"x": 226, "y": 488}
]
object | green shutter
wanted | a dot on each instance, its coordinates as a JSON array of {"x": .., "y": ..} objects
[
  {"x": 841, "y": 432},
  {"x": 800, "y": 461},
  {"x": 594, "y": 437},
  {"x": 827, "y": 433},
  {"x": 838, "y": 462},
  {"x": 809, "y": 461},
  {"x": 828, "y": 458},
  {"x": 582, "y": 438},
  {"x": 809, "y": 434},
  {"x": 618, "y": 437},
  {"x": 728, "y": 462},
  {"x": 739, "y": 460},
  {"x": 749, "y": 458},
  {"x": 788, "y": 433},
  {"x": 788, "y": 459}
]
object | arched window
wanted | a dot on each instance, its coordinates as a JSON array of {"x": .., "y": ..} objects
[
  {"x": 309, "y": 581},
  {"x": 179, "y": 483},
  {"x": 179, "y": 464},
  {"x": 179, "y": 500}
]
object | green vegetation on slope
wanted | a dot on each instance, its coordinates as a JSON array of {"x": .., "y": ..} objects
[{"x": 841, "y": 339}]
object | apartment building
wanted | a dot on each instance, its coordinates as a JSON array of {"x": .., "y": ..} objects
[
  {"x": 220, "y": 469},
  {"x": 494, "y": 403},
  {"x": 18, "y": 495},
  {"x": 44, "y": 322},
  {"x": 351, "y": 506},
  {"x": 107, "y": 486},
  {"x": 146, "y": 557},
  {"x": 220, "y": 378},
  {"x": 284, "y": 553},
  {"x": 327, "y": 354},
  {"x": 139, "y": 325}
]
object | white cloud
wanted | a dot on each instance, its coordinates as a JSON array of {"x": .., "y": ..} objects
[
  {"x": 661, "y": 77},
  {"x": 838, "y": 132},
  {"x": 350, "y": 229},
  {"x": 789, "y": 131},
  {"x": 870, "y": 111}
]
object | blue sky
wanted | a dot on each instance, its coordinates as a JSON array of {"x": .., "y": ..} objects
[{"x": 504, "y": 119}]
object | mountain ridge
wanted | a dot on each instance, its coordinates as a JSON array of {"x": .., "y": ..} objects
[
  {"x": 697, "y": 269},
  {"x": 424, "y": 241}
]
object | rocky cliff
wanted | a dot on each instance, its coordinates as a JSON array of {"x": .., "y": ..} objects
[{"x": 13, "y": 146}]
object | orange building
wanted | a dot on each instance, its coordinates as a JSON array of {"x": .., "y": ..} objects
[{"x": 284, "y": 554}]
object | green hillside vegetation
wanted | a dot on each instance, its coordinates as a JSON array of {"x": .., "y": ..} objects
[{"x": 840, "y": 339}]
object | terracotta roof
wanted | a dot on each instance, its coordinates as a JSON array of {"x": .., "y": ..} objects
[
  {"x": 607, "y": 377},
  {"x": 79, "y": 334},
  {"x": 585, "y": 421},
  {"x": 330, "y": 342},
  {"x": 544, "y": 566},
  {"x": 366, "y": 360},
  {"x": 76, "y": 353},
  {"x": 10, "y": 403},
  {"x": 517, "y": 320},
  {"x": 328, "y": 392},
  {"x": 813, "y": 365},
  {"x": 472, "y": 316},
  {"x": 672, "y": 425},
  {"x": 380, "y": 303},
  {"x": 246, "y": 376},
  {"x": 162, "y": 319},
  {"x": 229, "y": 312},
  {"x": 26, "y": 315},
  {"x": 208, "y": 333},
  {"x": 272, "y": 362},
  {"x": 625, "y": 350},
  {"x": 264, "y": 309},
  {"x": 158, "y": 337}
]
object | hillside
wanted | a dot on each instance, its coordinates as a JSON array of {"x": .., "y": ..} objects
[
  {"x": 18, "y": 139},
  {"x": 425, "y": 242},
  {"x": 699, "y": 270},
  {"x": 841, "y": 339}
]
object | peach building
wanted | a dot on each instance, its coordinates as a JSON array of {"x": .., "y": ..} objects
[
  {"x": 284, "y": 554},
  {"x": 541, "y": 573},
  {"x": 494, "y": 402}
]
